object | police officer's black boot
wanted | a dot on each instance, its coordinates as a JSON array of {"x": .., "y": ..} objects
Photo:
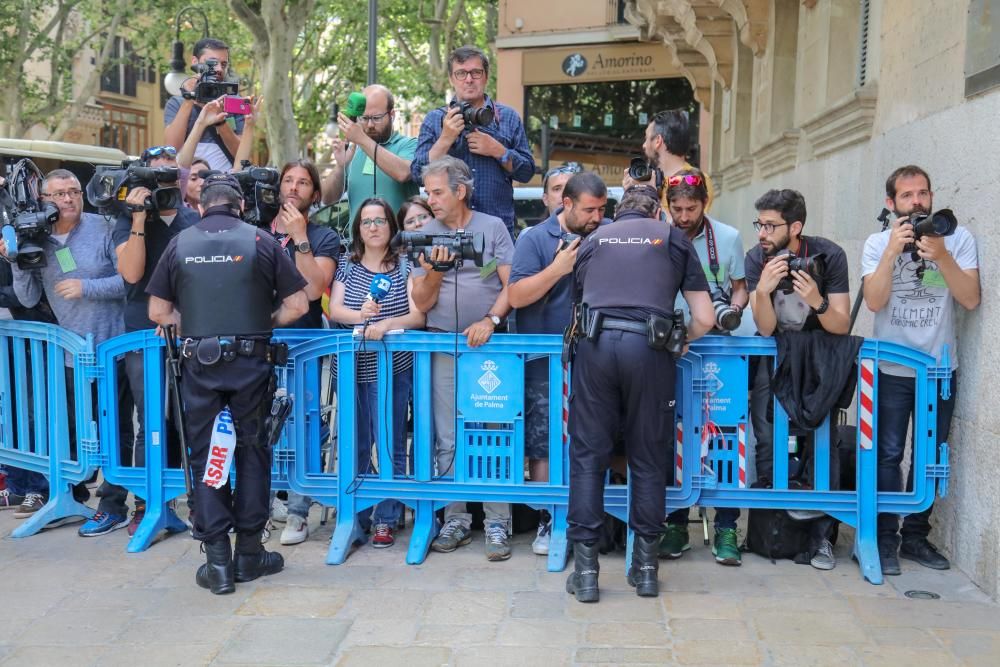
[
  {"x": 645, "y": 566},
  {"x": 582, "y": 581},
  {"x": 251, "y": 559},
  {"x": 217, "y": 573}
]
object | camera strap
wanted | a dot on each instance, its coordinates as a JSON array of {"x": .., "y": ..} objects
[{"x": 713, "y": 252}]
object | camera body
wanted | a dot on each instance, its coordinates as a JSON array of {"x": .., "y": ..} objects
[
  {"x": 465, "y": 247},
  {"x": 261, "y": 194},
  {"x": 109, "y": 187},
  {"x": 815, "y": 266},
  {"x": 210, "y": 86},
  {"x": 472, "y": 116},
  {"x": 25, "y": 222},
  {"x": 727, "y": 317},
  {"x": 641, "y": 171},
  {"x": 939, "y": 223}
]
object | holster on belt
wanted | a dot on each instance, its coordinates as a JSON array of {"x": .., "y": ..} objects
[{"x": 658, "y": 332}]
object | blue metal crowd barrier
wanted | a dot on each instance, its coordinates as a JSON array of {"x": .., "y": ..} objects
[{"x": 712, "y": 422}]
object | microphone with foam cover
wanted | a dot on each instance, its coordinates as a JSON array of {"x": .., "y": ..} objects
[
  {"x": 355, "y": 106},
  {"x": 381, "y": 284}
]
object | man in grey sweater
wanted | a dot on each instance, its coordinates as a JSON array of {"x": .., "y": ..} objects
[{"x": 87, "y": 295}]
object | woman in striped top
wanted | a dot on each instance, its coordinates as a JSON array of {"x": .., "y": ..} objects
[{"x": 370, "y": 254}]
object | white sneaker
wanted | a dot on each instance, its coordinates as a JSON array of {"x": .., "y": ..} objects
[
  {"x": 824, "y": 558},
  {"x": 279, "y": 510},
  {"x": 264, "y": 536},
  {"x": 540, "y": 546},
  {"x": 296, "y": 530}
]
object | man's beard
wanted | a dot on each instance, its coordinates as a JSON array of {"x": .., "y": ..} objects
[
  {"x": 382, "y": 136},
  {"x": 581, "y": 229},
  {"x": 777, "y": 247},
  {"x": 917, "y": 208}
]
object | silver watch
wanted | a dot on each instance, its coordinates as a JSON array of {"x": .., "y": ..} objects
[{"x": 495, "y": 319}]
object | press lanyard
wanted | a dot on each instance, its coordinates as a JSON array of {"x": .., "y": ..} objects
[
  {"x": 274, "y": 232},
  {"x": 713, "y": 252}
]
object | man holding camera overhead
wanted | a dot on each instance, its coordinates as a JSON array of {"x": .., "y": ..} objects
[
  {"x": 911, "y": 280},
  {"x": 218, "y": 143},
  {"x": 486, "y": 135},
  {"x": 787, "y": 295},
  {"x": 472, "y": 301}
]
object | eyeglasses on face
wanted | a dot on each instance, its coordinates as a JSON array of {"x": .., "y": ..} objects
[
  {"x": 693, "y": 180},
  {"x": 767, "y": 226},
  {"x": 64, "y": 194},
  {"x": 419, "y": 218},
  {"x": 157, "y": 151},
  {"x": 374, "y": 118},
  {"x": 374, "y": 222},
  {"x": 463, "y": 74}
]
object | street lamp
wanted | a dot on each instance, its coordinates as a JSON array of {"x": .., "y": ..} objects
[{"x": 178, "y": 72}]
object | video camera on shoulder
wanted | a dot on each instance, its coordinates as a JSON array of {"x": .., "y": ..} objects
[
  {"x": 465, "y": 247},
  {"x": 815, "y": 266},
  {"x": 473, "y": 117},
  {"x": 109, "y": 187},
  {"x": 210, "y": 86},
  {"x": 25, "y": 222},
  {"x": 261, "y": 194}
]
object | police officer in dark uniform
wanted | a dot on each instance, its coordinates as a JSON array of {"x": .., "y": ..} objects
[
  {"x": 626, "y": 278},
  {"x": 217, "y": 282}
]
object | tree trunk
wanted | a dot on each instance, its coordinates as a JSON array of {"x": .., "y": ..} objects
[{"x": 282, "y": 129}]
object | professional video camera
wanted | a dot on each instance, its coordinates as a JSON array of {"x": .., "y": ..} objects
[
  {"x": 462, "y": 244},
  {"x": 210, "y": 86},
  {"x": 472, "y": 116},
  {"x": 25, "y": 221},
  {"x": 261, "y": 194},
  {"x": 939, "y": 223},
  {"x": 815, "y": 266},
  {"x": 726, "y": 317},
  {"x": 109, "y": 187},
  {"x": 641, "y": 171}
]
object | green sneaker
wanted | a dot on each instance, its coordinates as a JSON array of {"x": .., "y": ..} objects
[
  {"x": 674, "y": 541},
  {"x": 724, "y": 547}
]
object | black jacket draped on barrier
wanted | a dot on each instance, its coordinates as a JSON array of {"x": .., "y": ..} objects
[{"x": 816, "y": 372}]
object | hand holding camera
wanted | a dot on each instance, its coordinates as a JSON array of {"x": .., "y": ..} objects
[
  {"x": 445, "y": 251},
  {"x": 900, "y": 237},
  {"x": 212, "y": 113},
  {"x": 566, "y": 254},
  {"x": 773, "y": 273},
  {"x": 440, "y": 259},
  {"x": 453, "y": 125}
]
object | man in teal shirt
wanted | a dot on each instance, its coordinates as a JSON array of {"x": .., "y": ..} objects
[{"x": 383, "y": 167}]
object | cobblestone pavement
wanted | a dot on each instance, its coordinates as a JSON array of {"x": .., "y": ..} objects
[{"x": 75, "y": 601}]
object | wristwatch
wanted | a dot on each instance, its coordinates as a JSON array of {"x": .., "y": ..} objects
[
  {"x": 822, "y": 306},
  {"x": 303, "y": 247},
  {"x": 495, "y": 319}
]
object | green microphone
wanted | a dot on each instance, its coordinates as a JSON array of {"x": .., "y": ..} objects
[{"x": 355, "y": 107}]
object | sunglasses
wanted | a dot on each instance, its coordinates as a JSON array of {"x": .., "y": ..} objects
[
  {"x": 568, "y": 168},
  {"x": 157, "y": 151},
  {"x": 693, "y": 180}
]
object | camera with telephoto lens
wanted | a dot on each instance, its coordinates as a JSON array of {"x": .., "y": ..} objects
[
  {"x": 939, "y": 223},
  {"x": 109, "y": 187},
  {"x": 210, "y": 86},
  {"x": 472, "y": 116},
  {"x": 727, "y": 317},
  {"x": 25, "y": 222},
  {"x": 261, "y": 194},
  {"x": 641, "y": 171},
  {"x": 678, "y": 335},
  {"x": 462, "y": 244},
  {"x": 815, "y": 266}
]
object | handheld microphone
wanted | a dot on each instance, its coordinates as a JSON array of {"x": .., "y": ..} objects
[
  {"x": 381, "y": 284},
  {"x": 355, "y": 106}
]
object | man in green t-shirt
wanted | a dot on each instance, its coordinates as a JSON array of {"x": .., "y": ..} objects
[{"x": 382, "y": 169}]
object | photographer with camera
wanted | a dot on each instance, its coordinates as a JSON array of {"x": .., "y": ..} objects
[
  {"x": 220, "y": 141},
  {"x": 665, "y": 147},
  {"x": 468, "y": 300},
  {"x": 488, "y": 136},
  {"x": 797, "y": 283},
  {"x": 627, "y": 337},
  {"x": 384, "y": 168},
  {"x": 540, "y": 285},
  {"x": 913, "y": 275},
  {"x": 77, "y": 272},
  {"x": 720, "y": 252},
  {"x": 140, "y": 237}
]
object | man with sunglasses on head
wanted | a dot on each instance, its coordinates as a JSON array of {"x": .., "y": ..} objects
[
  {"x": 554, "y": 181},
  {"x": 497, "y": 153},
  {"x": 140, "y": 238},
  {"x": 383, "y": 167},
  {"x": 220, "y": 142},
  {"x": 811, "y": 303},
  {"x": 720, "y": 252}
]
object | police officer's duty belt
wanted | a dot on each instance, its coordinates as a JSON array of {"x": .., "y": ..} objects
[{"x": 212, "y": 349}]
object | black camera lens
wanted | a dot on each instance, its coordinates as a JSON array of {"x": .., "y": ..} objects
[{"x": 639, "y": 169}]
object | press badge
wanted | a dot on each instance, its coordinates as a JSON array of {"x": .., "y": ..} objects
[
  {"x": 221, "y": 448},
  {"x": 368, "y": 168},
  {"x": 65, "y": 258},
  {"x": 488, "y": 269}
]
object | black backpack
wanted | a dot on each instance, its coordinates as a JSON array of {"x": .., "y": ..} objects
[{"x": 774, "y": 534}]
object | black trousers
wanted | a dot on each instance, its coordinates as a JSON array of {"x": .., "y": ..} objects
[
  {"x": 244, "y": 385},
  {"x": 620, "y": 385}
]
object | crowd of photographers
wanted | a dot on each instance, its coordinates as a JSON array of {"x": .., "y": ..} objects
[{"x": 451, "y": 265}]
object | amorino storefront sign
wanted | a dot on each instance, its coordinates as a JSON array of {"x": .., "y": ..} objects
[{"x": 602, "y": 62}]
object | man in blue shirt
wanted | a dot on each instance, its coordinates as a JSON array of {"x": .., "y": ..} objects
[
  {"x": 497, "y": 153},
  {"x": 540, "y": 290}
]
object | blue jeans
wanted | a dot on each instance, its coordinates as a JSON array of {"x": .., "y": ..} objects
[
  {"x": 21, "y": 482},
  {"x": 895, "y": 413},
  {"x": 368, "y": 413}
]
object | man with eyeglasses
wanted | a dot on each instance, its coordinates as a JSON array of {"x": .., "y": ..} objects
[
  {"x": 554, "y": 181},
  {"x": 383, "y": 168},
  {"x": 821, "y": 303},
  {"x": 140, "y": 238},
  {"x": 497, "y": 154},
  {"x": 87, "y": 295},
  {"x": 219, "y": 143}
]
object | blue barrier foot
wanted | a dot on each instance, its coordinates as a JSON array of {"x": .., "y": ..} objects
[
  {"x": 866, "y": 553},
  {"x": 157, "y": 519},
  {"x": 344, "y": 536},
  {"x": 61, "y": 506},
  {"x": 424, "y": 530},
  {"x": 558, "y": 547}
]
